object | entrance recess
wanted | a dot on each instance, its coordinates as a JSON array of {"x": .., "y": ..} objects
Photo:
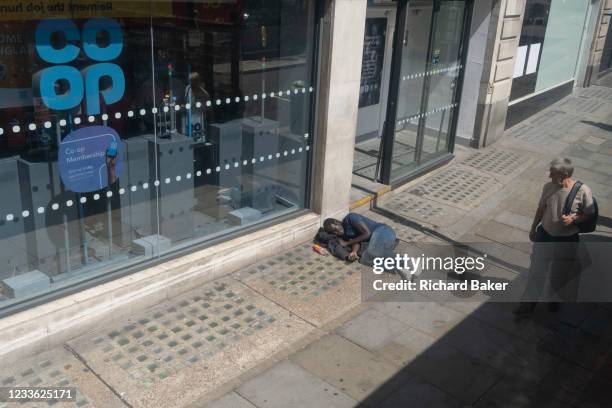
[
  {"x": 415, "y": 123},
  {"x": 374, "y": 89}
]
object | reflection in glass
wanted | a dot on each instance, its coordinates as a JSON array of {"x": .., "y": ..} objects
[{"x": 200, "y": 130}]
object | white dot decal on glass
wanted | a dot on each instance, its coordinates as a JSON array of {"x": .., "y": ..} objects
[
  {"x": 105, "y": 117},
  {"x": 228, "y": 100},
  {"x": 217, "y": 169},
  {"x": 236, "y": 164},
  {"x": 25, "y": 214},
  {"x": 133, "y": 188},
  {"x": 69, "y": 202},
  {"x": 167, "y": 180},
  {"x": 55, "y": 206},
  {"x": 156, "y": 183},
  {"x": 177, "y": 107},
  {"x": 32, "y": 126},
  {"x": 253, "y": 160},
  {"x": 311, "y": 89},
  {"x": 227, "y": 166},
  {"x": 254, "y": 97},
  {"x": 306, "y": 135},
  {"x": 208, "y": 171},
  {"x": 40, "y": 210},
  {"x": 1, "y": 131},
  {"x": 9, "y": 217},
  {"x": 188, "y": 176},
  {"x": 199, "y": 104},
  {"x": 130, "y": 114},
  {"x": 245, "y": 162},
  {"x": 277, "y": 155},
  {"x": 280, "y": 93},
  {"x": 198, "y": 173},
  {"x": 77, "y": 121},
  {"x": 96, "y": 197},
  {"x": 262, "y": 158},
  {"x": 300, "y": 150},
  {"x": 303, "y": 90},
  {"x": 271, "y": 94},
  {"x": 288, "y": 92},
  {"x": 285, "y": 153},
  {"x": 83, "y": 200},
  {"x": 208, "y": 103},
  {"x": 122, "y": 191},
  {"x": 187, "y": 106},
  {"x": 166, "y": 109},
  {"x": 218, "y": 102},
  {"x": 16, "y": 129},
  {"x": 237, "y": 99},
  {"x": 62, "y": 122},
  {"x": 154, "y": 110},
  {"x": 264, "y": 96},
  {"x": 246, "y": 98},
  {"x": 91, "y": 119},
  {"x": 143, "y": 112},
  {"x": 146, "y": 185},
  {"x": 295, "y": 91},
  {"x": 118, "y": 115},
  {"x": 292, "y": 151},
  {"x": 307, "y": 147},
  {"x": 178, "y": 178},
  {"x": 269, "y": 157}
]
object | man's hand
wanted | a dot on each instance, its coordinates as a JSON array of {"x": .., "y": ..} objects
[
  {"x": 352, "y": 256},
  {"x": 568, "y": 219},
  {"x": 532, "y": 235}
]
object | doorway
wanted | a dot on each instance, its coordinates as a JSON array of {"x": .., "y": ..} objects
[{"x": 413, "y": 128}]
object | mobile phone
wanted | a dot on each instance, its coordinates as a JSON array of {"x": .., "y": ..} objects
[{"x": 112, "y": 149}]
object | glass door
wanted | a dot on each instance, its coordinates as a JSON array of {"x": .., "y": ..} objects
[{"x": 427, "y": 66}]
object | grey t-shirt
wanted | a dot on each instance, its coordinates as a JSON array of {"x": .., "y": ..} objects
[{"x": 553, "y": 200}]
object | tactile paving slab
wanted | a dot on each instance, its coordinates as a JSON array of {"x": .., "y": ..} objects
[
  {"x": 497, "y": 162},
  {"x": 315, "y": 287},
  {"x": 413, "y": 208},
  {"x": 458, "y": 187},
  {"x": 57, "y": 368},
  {"x": 174, "y": 353}
]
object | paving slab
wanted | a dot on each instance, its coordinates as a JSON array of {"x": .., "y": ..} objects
[
  {"x": 317, "y": 288},
  {"x": 416, "y": 392},
  {"x": 428, "y": 317},
  {"x": 174, "y": 353},
  {"x": 419, "y": 209},
  {"x": 453, "y": 371},
  {"x": 231, "y": 400},
  {"x": 402, "y": 349},
  {"x": 371, "y": 329},
  {"x": 59, "y": 368},
  {"x": 289, "y": 385},
  {"x": 350, "y": 368}
]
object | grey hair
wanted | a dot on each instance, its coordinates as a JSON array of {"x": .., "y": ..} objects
[{"x": 562, "y": 166}]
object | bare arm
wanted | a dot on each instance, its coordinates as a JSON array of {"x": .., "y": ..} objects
[
  {"x": 536, "y": 221},
  {"x": 364, "y": 234}
]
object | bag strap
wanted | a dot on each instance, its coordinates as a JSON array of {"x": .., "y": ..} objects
[{"x": 567, "y": 208}]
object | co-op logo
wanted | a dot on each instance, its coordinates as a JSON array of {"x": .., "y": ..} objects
[{"x": 84, "y": 83}]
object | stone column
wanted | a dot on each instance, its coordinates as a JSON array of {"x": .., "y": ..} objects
[
  {"x": 496, "y": 80},
  {"x": 601, "y": 31},
  {"x": 337, "y": 106}
]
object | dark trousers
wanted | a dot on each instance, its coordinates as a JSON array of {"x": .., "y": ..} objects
[{"x": 555, "y": 258}]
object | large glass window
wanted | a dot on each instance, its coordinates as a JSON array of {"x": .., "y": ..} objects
[{"x": 130, "y": 129}]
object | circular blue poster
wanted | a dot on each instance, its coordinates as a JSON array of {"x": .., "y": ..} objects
[{"x": 90, "y": 158}]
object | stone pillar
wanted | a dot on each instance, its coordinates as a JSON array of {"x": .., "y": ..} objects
[
  {"x": 599, "y": 39},
  {"x": 337, "y": 106},
  {"x": 496, "y": 81}
]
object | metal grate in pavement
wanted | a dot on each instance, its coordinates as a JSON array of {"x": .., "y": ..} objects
[
  {"x": 458, "y": 187},
  {"x": 302, "y": 273},
  {"x": 415, "y": 208},
  {"x": 498, "y": 162},
  {"x": 170, "y": 338},
  {"x": 49, "y": 370}
]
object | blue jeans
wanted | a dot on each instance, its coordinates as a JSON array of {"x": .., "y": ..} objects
[{"x": 381, "y": 244}]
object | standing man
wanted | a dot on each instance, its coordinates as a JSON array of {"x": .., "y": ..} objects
[{"x": 555, "y": 237}]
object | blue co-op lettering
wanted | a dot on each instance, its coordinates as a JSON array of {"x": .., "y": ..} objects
[{"x": 86, "y": 82}]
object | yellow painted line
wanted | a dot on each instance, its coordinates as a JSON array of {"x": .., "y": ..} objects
[{"x": 365, "y": 200}]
